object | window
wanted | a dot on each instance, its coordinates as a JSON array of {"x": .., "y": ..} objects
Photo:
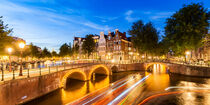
[{"x": 109, "y": 37}]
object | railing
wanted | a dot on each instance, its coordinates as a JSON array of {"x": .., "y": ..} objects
[
  {"x": 182, "y": 63},
  {"x": 6, "y": 75},
  {"x": 163, "y": 61}
]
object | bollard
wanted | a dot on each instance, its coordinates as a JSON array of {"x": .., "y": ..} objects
[
  {"x": 40, "y": 71},
  {"x": 13, "y": 72},
  {"x": 57, "y": 68},
  {"x": 64, "y": 67},
  {"x": 2, "y": 78},
  {"x": 49, "y": 69},
  {"x": 28, "y": 73}
]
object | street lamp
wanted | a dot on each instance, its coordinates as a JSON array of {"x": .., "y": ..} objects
[
  {"x": 21, "y": 45},
  {"x": 10, "y": 65},
  {"x": 113, "y": 60},
  {"x": 186, "y": 54}
]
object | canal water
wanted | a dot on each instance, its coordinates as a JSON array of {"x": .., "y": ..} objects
[{"x": 158, "y": 82}]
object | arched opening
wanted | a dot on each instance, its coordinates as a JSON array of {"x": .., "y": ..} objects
[
  {"x": 156, "y": 68},
  {"x": 99, "y": 73},
  {"x": 75, "y": 81},
  {"x": 74, "y": 78},
  {"x": 114, "y": 69}
]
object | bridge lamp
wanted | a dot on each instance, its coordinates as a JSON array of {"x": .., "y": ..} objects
[
  {"x": 113, "y": 60},
  {"x": 142, "y": 56},
  {"x": 21, "y": 45},
  {"x": 186, "y": 55},
  {"x": 10, "y": 51},
  {"x": 187, "y": 52}
]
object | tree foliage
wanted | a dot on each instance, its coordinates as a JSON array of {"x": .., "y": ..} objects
[
  {"x": 34, "y": 51},
  {"x": 5, "y": 36},
  {"x": 75, "y": 49},
  {"x": 46, "y": 53},
  {"x": 144, "y": 37},
  {"x": 65, "y": 50},
  {"x": 185, "y": 29},
  {"x": 54, "y": 54},
  {"x": 88, "y": 45}
]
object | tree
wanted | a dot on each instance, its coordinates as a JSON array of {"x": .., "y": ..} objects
[
  {"x": 5, "y": 36},
  {"x": 88, "y": 45},
  {"x": 54, "y": 54},
  {"x": 185, "y": 29},
  {"x": 64, "y": 50},
  {"x": 70, "y": 50},
  {"x": 75, "y": 49},
  {"x": 34, "y": 51},
  {"x": 144, "y": 37},
  {"x": 46, "y": 53}
]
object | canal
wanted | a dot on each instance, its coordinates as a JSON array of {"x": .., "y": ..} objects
[{"x": 160, "y": 88}]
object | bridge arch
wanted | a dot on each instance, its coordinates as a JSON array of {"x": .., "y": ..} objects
[
  {"x": 163, "y": 65},
  {"x": 114, "y": 68},
  {"x": 74, "y": 74},
  {"x": 99, "y": 69}
]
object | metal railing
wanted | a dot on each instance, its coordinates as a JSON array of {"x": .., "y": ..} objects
[{"x": 6, "y": 75}]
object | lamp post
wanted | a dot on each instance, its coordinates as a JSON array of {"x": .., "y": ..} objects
[
  {"x": 10, "y": 65},
  {"x": 21, "y": 45},
  {"x": 186, "y": 54}
]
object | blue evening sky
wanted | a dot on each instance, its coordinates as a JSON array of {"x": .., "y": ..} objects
[{"x": 51, "y": 23}]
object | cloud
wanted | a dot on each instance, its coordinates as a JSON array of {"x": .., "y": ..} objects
[
  {"x": 44, "y": 24},
  {"x": 129, "y": 12},
  {"x": 160, "y": 15},
  {"x": 106, "y": 18},
  {"x": 128, "y": 16}
]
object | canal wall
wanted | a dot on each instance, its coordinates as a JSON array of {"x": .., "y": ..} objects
[
  {"x": 21, "y": 90},
  {"x": 173, "y": 68},
  {"x": 128, "y": 67},
  {"x": 189, "y": 70}
]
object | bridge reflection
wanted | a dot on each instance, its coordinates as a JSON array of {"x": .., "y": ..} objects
[
  {"x": 76, "y": 88},
  {"x": 157, "y": 68}
]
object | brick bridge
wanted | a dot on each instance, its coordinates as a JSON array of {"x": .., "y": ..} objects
[{"x": 84, "y": 73}]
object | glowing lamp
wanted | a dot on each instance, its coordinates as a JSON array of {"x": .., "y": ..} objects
[{"x": 21, "y": 45}]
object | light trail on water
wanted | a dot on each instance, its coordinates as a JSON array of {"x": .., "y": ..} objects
[
  {"x": 185, "y": 87},
  {"x": 127, "y": 90},
  {"x": 108, "y": 91}
]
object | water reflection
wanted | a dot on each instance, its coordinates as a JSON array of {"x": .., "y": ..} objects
[
  {"x": 156, "y": 83},
  {"x": 159, "y": 80}
]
